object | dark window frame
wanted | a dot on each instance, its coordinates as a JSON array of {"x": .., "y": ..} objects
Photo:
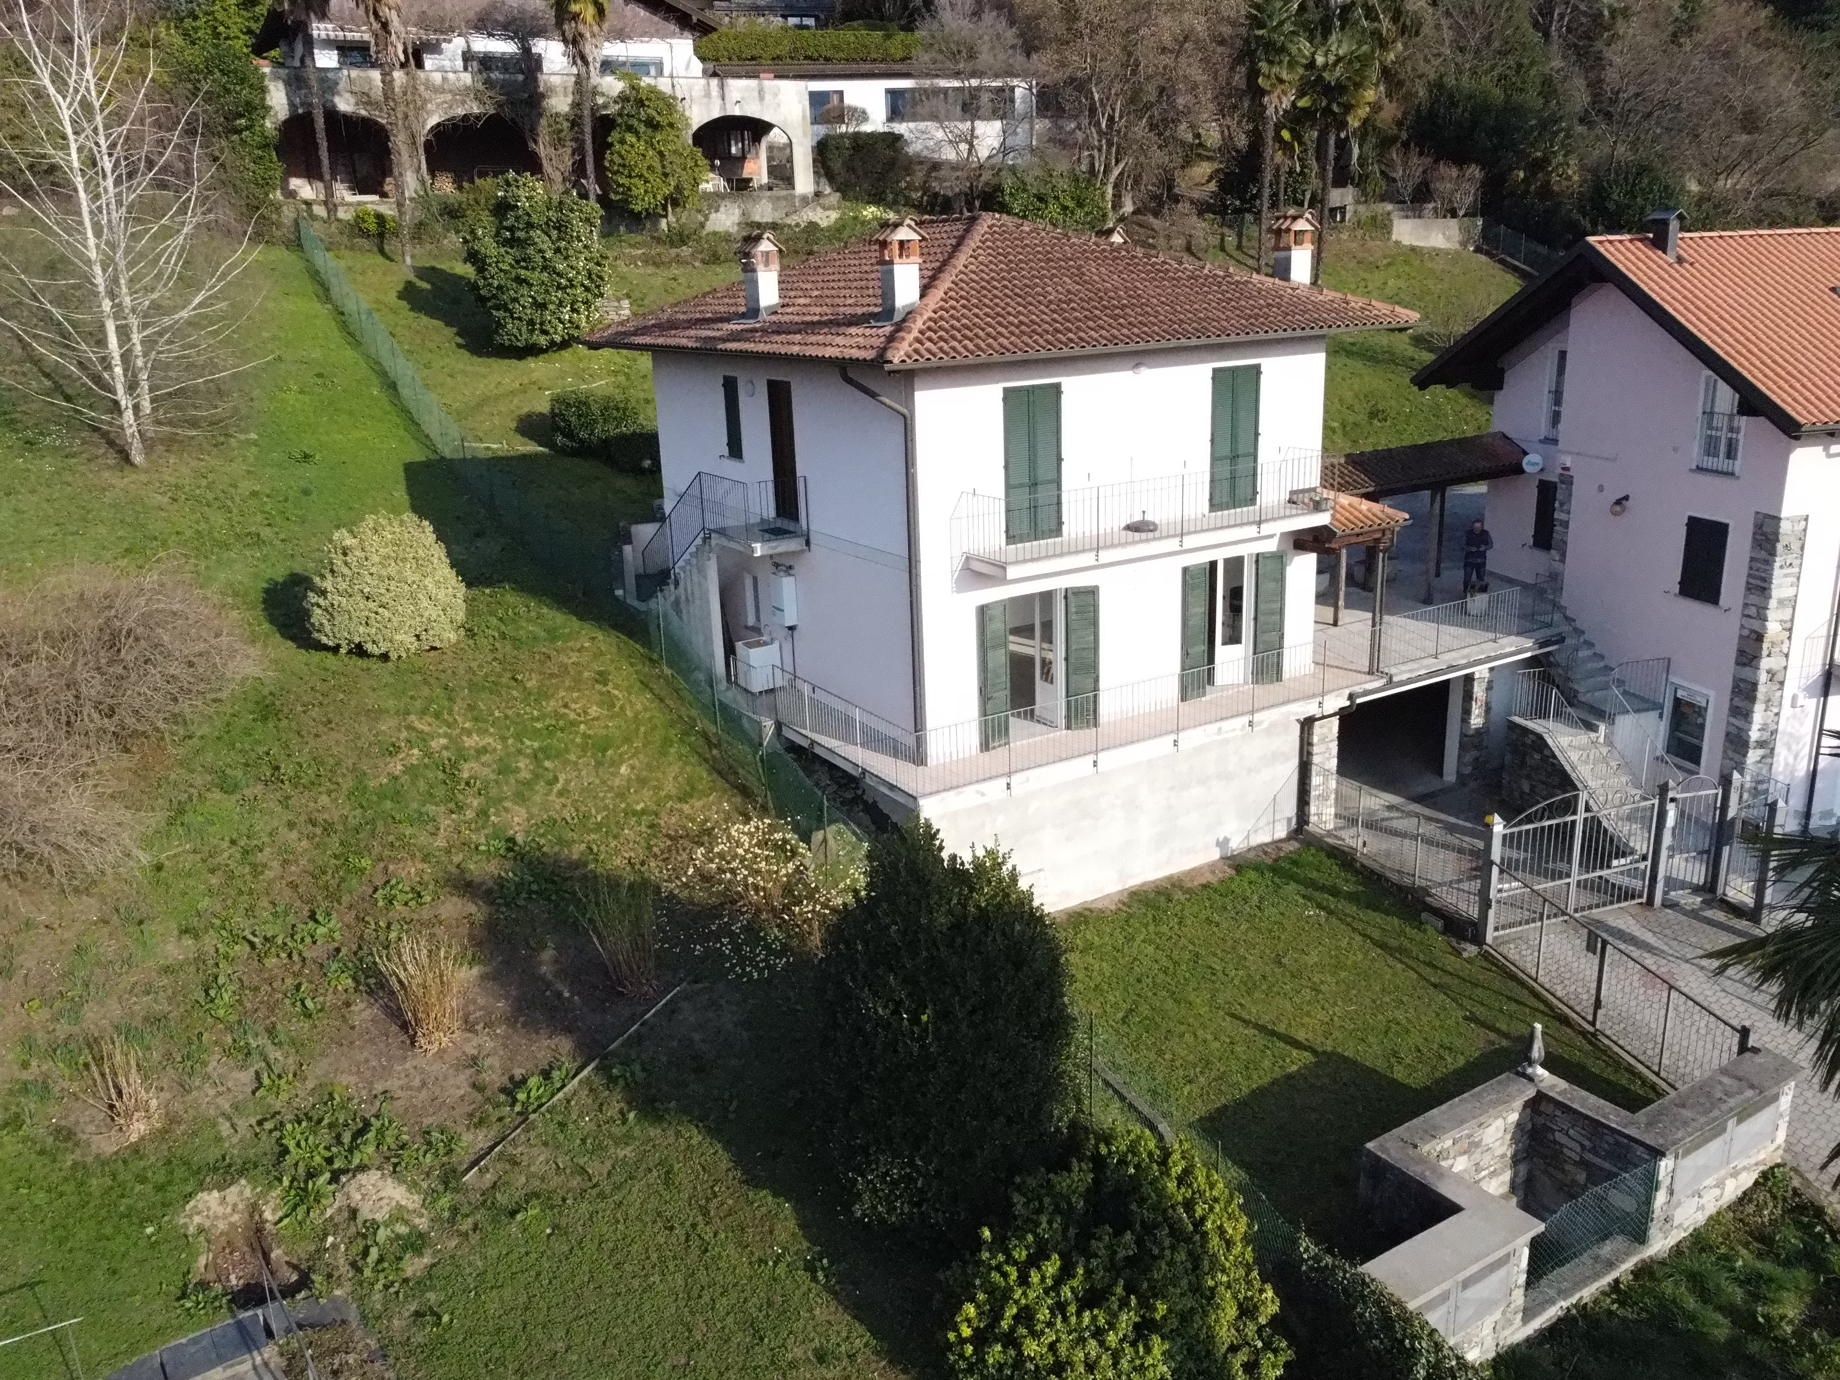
[{"x": 1702, "y": 578}]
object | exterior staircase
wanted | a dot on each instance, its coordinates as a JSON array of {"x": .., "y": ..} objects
[{"x": 1584, "y": 674}]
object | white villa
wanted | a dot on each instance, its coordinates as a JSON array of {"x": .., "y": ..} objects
[
  {"x": 1682, "y": 393},
  {"x": 1022, "y": 528}
]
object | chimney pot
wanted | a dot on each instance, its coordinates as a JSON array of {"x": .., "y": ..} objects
[
  {"x": 760, "y": 274},
  {"x": 1114, "y": 234},
  {"x": 1293, "y": 243},
  {"x": 1664, "y": 232},
  {"x": 900, "y": 254}
]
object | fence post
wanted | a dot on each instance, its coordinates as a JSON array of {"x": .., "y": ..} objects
[
  {"x": 1571, "y": 873},
  {"x": 1490, "y": 884},
  {"x": 1724, "y": 832},
  {"x": 1597, "y": 995},
  {"x": 1418, "y": 847},
  {"x": 1760, "y": 893},
  {"x": 1660, "y": 838},
  {"x": 1667, "y": 1018},
  {"x": 1744, "y": 1039},
  {"x": 1360, "y": 817}
]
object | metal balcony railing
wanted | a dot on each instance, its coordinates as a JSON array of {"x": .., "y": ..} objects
[
  {"x": 1061, "y": 522},
  {"x": 762, "y": 512},
  {"x": 1083, "y": 726}
]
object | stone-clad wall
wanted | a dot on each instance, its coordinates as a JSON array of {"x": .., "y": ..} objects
[
  {"x": 1487, "y": 1150},
  {"x": 1531, "y": 770},
  {"x": 1322, "y": 742},
  {"x": 1760, "y": 666},
  {"x": 1570, "y": 1152}
]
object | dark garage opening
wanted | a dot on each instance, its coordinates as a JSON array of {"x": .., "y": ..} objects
[{"x": 1396, "y": 743}]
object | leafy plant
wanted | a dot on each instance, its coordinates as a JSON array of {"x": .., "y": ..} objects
[
  {"x": 205, "y": 47},
  {"x": 374, "y": 224},
  {"x": 399, "y": 893},
  {"x": 534, "y": 1091},
  {"x": 537, "y": 264},
  {"x": 943, "y": 982},
  {"x": 386, "y": 589},
  {"x": 603, "y": 425},
  {"x": 1130, "y": 1260},
  {"x": 303, "y": 1000},
  {"x": 196, "y": 1299},
  {"x": 341, "y": 972},
  {"x": 220, "y": 998},
  {"x": 779, "y": 43},
  {"x": 1055, "y": 196},
  {"x": 652, "y": 167},
  {"x": 1345, "y": 1322}
]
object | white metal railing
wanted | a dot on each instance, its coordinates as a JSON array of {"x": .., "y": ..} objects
[
  {"x": 1061, "y": 522},
  {"x": 993, "y": 746}
]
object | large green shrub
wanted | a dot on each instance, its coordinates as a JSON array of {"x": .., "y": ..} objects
[
  {"x": 387, "y": 589},
  {"x": 944, "y": 1007},
  {"x": 1054, "y": 196},
  {"x": 537, "y": 265},
  {"x": 868, "y": 166},
  {"x": 1345, "y": 1322},
  {"x": 1131, "y": 1262},
  {"x": 652, "y": 168},
  {"x": 781, "y": 43},
  {"x": 204, "y": 49},
  {"x": 603, "y": 425}
]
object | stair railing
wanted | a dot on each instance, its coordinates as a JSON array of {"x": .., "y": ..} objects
[{"x": 708, "y": 501}]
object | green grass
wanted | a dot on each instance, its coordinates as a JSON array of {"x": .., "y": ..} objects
[
  {"x": 1296, "y": 1010},
  {"x": 1753, "y": 1295},
  {"x": 667, "y": 1218},
  {"x": 1369, "y": 399},
  {"x": 315, "y": 784}
]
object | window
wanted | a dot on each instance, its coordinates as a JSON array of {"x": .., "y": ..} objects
[
  {"x": 900, "y": 101},
  {"x": 1721, "y": 429},
  {"x": 639, "y": 67},
  {"x": 1702, "y": 560},
  {"x": 1555, "y": 395},
  {"x": 1686, "y": 726},
  {"x": 731, "y": 413},
  {"x": 1545, "y": 510},
  {"x": 1233, "y": 601},
  {"x": 355, "y": 55},
  {"x": 822, "y": 101}
]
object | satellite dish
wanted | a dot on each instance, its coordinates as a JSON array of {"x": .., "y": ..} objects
[{"x": 1532, "y": 463}]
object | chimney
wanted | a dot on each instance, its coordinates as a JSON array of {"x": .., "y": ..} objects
[
  {"x": 1114, "y": 234},
  {"x": 1664, "y": 232},
  {"x": 1293, "y": 245},
  {"x": 900, "y": 242},
  {"x": 760, "y": 275}
]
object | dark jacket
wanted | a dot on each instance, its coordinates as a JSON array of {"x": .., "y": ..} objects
[{"x": 1477, "y": 545}]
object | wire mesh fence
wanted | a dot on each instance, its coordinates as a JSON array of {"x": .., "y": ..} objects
[
  {"x": 1439, "y": 857},
  {"x": 1516, "y": 248},
  {"x": 1617, "y": 1210}
]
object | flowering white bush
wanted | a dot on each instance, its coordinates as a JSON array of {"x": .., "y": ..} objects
[{"x": 758, "y": 874}]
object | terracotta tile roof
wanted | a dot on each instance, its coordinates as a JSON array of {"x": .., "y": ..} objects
[
  {"x": 1350, "y": 513},
  {"x": 1763, "y": 300},
  {"x": 994, "y": 287},
  {"x": 1427, "y": 465}
]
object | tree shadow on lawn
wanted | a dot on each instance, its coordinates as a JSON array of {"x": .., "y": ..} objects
[
  {"x": 735, "y": 1061},
  {"x": 442, "y": 295}
]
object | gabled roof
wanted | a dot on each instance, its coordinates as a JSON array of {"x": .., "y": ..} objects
[
  {"x": 994, "y": 287},
  {"x": 1760, "y": 308}
]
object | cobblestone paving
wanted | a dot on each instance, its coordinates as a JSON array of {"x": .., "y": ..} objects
[{"x": 1674, "y": 941}]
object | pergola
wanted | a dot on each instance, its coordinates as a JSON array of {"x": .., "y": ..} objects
[{"x": 1355, "y": 521}]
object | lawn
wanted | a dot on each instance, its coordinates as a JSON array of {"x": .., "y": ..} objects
[
  {"x": 364, "y": 796},
  {"x": 1296, "y": 1010},
  {"x": 1753, "y": 1295},
  {"x": 1369, "y": 398}
]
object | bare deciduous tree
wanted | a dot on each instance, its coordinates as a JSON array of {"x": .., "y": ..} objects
[
  {"x": 1407, "y": 167},
  {"x": 971, "y": 61},
  {"x": 1455, "y": 187},
  {"x": 116, "y": 286}
]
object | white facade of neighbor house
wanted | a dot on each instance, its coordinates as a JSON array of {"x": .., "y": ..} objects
[
  {"x": 1629, "y": 427},
  {"x": 901, "y": 103},
  {"x": 334, "y": 47}
]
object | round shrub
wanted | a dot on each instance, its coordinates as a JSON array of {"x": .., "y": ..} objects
[
  {"x": 1054, "y": 196},
  {"x": 537, "y": 264},
  {"x": 1132, "y": 1261},
  {"x": 387, "y": 589},
  {"x": 603, "y": 425}
]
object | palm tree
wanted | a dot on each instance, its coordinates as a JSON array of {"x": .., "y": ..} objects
[
  {"x": 300, "y": 16},
  {"x": 1277, "y": 49},
  {"x": 1340, "y": 84},
  {"x": 580, "y": 23},
  {"x": 390, "y": 49}
]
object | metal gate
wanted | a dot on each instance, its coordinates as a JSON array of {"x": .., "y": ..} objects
[
  {"x": 1579, "y": 853},
  {"x": 1693, "y": 842},
  {"x": 1755, "y": 803}
]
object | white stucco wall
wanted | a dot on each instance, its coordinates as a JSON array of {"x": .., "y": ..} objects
[
  {"x": 929, "y": 139},
  {"x": 1520, "y": 411},
  {"x": 678, "y": 55},
  {"x": 1814, "y": 489},
  {"x": 853, "y": 636},
  {"x": 1077, "y": 834}
]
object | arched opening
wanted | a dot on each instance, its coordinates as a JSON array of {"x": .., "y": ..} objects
[
  {"x": 746, "y": 154},
  {"x": 359, "y": 148},
  {"x": 468, "y": 147}
]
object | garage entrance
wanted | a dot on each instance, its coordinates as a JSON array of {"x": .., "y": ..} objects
[{"x": 1401, "y": 744}]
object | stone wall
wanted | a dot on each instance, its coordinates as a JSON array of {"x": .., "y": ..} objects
[
  {"x": 1472, "y": 726},
  {"x": 1760, "y": 666},
  {"x": 1532, "y": 772},
  {"x": 1572, "y": 1149},
  {"x": 1562, "y": 530},
  {"x": 1487, "y": 1149},
  {"x": 1322, "y": 738}
]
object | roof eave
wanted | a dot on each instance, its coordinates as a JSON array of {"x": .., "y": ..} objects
[{"x": 1314, "y": 332}]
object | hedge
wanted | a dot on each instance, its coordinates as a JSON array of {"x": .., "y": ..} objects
[
  {"x": 780, "y": 44},
  {"x": 868, "y": 166},
  {"x": 603, "y": 425},
  {"x": 1344, "y": 1322}
]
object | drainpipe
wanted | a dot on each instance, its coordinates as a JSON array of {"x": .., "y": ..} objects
[
  {"x": 1827, "y": 689},
  {"x": 913, "y": 546}
]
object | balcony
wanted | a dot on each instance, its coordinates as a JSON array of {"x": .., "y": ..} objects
[
  {"x": 766, "y": 518},
  {"x": 1079, "y": 526},
  {"x": 1304, "y": 678}
]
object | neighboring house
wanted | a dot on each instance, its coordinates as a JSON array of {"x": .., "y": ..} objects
[
  {"x": 1021, "y": 527},
  {"x": 1683, "y": 393}
]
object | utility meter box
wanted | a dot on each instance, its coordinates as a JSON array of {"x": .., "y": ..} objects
[{"x": 783, "y": 600}]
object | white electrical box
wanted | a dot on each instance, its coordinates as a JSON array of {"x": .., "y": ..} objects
[
  {"x": 757, "y": 664},
  {"x": 783, "y": 599}
]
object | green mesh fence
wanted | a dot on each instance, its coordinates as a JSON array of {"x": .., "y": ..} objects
[
  {"x": 1616, "y": 1210},
  {"x": 560, "y": 526}
]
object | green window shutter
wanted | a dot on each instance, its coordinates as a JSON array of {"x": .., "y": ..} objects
[
  {"x": 1233, "y": 474},
  {"x": 1268, "y": 615},
  {"x": 993, "y": 674},
  {"x": 1197, "y": 629},
  {"x": 1080, "y": 659},
  {"x": 1032, "y": 462},
  {"x": 731, "y": 413}
]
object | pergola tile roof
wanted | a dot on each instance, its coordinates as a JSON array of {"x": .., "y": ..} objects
[
  {"x": 1426, "y": 465},
  {"x": 995, "y": 287}
]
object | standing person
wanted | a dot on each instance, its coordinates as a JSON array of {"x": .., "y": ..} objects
[{"x": 1477, "y": 543}]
